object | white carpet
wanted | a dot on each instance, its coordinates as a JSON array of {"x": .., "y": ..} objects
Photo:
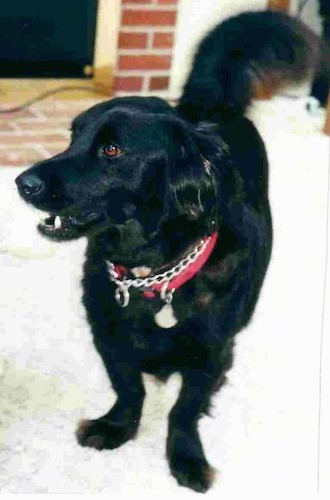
[{"x": 263, "y": 436}]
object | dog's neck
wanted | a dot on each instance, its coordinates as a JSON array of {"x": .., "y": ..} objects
[
  {"x": 165, "y": 280},
  {"x": 132, "y": 246}
]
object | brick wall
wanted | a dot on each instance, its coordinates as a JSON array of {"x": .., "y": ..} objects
[{"x": 145, "y": 45}]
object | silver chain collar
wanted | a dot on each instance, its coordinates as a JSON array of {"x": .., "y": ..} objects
[{"x": 123, "y": 285}]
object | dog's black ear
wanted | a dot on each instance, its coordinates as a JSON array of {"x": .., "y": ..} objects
[{"x": 193, "y": 173}]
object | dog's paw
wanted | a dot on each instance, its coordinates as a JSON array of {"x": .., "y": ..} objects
[
  {"x": 102, "y": 434},
  {"x": 194, "y": 473}
]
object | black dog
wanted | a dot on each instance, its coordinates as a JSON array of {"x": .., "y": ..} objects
[{"x": 174, "y": 204}]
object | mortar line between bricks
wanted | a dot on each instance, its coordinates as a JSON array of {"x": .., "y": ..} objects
[
  {"x": 150, "y": 36},
  {"x": 61, "y": 130},
  {"x": 30, "y": 134},
  {"x": 31, "y": 145},
  {"x": 54, "y": 145},
  {"x": 37, "y": 112},
  {"x": 145, "y": 52},
  {"x": 146, "y": 29},
  {"x": 149, "y": 7},
  {"x": 145, "y": 84},
  {"x": 36, "y": 127},
  {"x": 136, "y": 72},
  {"x": 16, "y": 128},
  {"x": 165, "y": 94},
  {"x": 43, "y": 150},
  {"x": 22, "y": 145},
  {"x": 17, "y": 121}
]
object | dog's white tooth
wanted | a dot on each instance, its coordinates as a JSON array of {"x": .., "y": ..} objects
[{"x": 58, "y": 222}]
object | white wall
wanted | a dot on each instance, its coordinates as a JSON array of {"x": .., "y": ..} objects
[{"x": 195, "y": 19}]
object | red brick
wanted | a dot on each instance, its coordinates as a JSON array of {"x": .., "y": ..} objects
[
  {"x": 144, "y": 62},
  {"x": 19, "y": 157},
  {"x": 167, "y": 2},
  {"x": 20, "y": 139},
  {"x": 47, "y": 125},
  {"x": 81, "y": 103},
  {"x": 6, "y": 127},
  {"x": 62, "y": 113},
  {"x": 163, "y": 40},
  {"x": 148, "y": 17},
  {"x": 54, "y": 149},
  {"x": 132, "y": 40},
  {"x": 159, "y": 83},
  {"x": 128, "y": 83},
  {"x": 25, "y": 113}
]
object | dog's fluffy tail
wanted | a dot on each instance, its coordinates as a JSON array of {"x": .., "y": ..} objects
[{"x": 251, "y": 50}]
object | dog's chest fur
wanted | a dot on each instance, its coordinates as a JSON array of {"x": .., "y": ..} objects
[{"x": 126, "y": 245}]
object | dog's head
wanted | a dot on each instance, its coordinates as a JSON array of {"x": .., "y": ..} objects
[{"x": 129, "y": 158}]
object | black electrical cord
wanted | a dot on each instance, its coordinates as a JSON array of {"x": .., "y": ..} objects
[{"x": 49, "y": 93}]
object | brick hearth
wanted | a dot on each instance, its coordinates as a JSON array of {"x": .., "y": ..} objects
[{"x": 38, "y": 132}]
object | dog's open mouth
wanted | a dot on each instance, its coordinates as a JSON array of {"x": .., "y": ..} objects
[{"x": 65, "y": 227}]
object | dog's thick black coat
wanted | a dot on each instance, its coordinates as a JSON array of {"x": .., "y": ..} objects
[{"x": 145, "y": 181}]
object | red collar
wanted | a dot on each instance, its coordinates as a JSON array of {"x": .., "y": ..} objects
[{"x": 164, "y": 283}]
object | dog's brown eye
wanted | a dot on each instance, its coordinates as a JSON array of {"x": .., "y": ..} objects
[{"x": 112, "y": 150}]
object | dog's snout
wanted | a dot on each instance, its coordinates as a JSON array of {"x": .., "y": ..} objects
[{"x": 29, "y": 184}]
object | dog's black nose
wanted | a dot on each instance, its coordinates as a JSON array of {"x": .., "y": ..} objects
[{"x": 29, "y": 184}]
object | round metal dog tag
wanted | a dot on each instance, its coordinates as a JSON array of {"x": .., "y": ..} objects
[{"x": 165, "y": 318}]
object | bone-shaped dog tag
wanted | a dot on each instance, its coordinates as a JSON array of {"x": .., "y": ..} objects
[{"x": 165, "y": 318}]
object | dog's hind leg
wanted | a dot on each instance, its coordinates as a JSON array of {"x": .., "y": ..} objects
[{"x": 121, "y": 423}]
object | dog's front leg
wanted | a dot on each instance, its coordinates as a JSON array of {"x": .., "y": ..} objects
[
  {"x": 184, "y": 448},
  {"x": 121, "y": 423}
]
